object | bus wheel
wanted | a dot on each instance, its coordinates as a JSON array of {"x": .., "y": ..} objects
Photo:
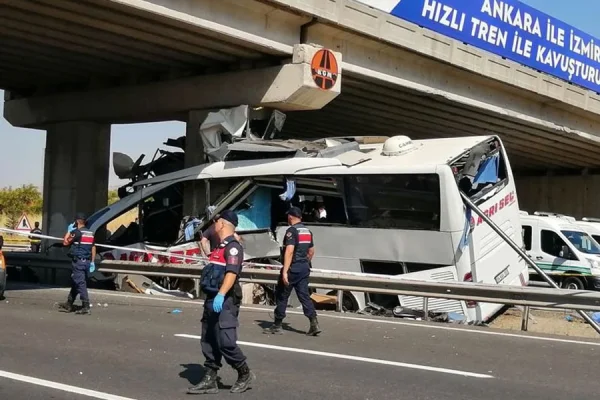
[
  {"x": 573, "y": 283},
  {"x": 349, "y": 303}
]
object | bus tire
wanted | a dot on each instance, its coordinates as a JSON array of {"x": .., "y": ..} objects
[
  {"x": 573, "y": 283},
  {"x": 349, "y": 303}
]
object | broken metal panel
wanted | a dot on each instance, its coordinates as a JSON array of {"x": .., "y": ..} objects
[
  {"x": 444, "y": 274},
  {"x": 352, "y": 158},
  {"x": 337, "y": 149},
  {"x": 229, "y": 122},
  {"x": 259, "y": 244}
]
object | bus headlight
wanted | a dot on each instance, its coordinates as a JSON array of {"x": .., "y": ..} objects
[{"x": 594, "y": 263}]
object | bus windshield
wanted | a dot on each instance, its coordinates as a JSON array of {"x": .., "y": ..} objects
[{"x": 583, "y": 242}]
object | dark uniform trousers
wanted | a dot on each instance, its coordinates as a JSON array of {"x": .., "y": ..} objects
[
  {"x": 298, "y": 277},
  {"x": 219, "y": 335},
  {"x": 79, "y": 275}
]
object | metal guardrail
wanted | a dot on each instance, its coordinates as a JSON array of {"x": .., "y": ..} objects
[
  {"x": 484, "y": 293},
  {"x": 16, "y": 247}
]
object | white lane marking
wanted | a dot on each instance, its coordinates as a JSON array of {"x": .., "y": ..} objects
[
  {"x": 343, "y": 317},
  {"x": 353, "y": 358},
  {"x": 62, "y": 387}
]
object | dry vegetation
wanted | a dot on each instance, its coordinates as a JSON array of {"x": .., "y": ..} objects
[
  {"x": 124, "y": 219},
  {"x": 556, "y": 322}
]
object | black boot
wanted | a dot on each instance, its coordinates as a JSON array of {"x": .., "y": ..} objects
[
  {"x": 314, "y": 329},
  {"x": 67, "y": 306},
  {"x": 245, "y": 378},
  {"x": 85, "y": 310},
  {"x": 208, "y": 384},
  {"x": 276, "y": 327}
]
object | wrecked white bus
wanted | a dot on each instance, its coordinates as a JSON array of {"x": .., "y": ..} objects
[{"x": 389, "y": 206}]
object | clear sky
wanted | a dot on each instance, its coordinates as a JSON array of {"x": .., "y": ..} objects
[{"x": 23, "y": 149}]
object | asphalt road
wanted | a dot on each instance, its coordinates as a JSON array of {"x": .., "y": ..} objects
[{"x": 135, "y": 349}]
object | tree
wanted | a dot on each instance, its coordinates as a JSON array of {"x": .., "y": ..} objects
[
  {"x": 14, "y": 202},
  {"x": 28, "y": 199}
]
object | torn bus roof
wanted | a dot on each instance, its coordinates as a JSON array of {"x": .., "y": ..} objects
[{"x": 342, "y": 157}]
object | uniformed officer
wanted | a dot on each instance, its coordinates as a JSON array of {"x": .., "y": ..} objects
[
  {"x": 36, "y": 242},
  {"x": 220, "y": 283},
  {"x": 210, "y": 240},
  {"x": 298, "y": 252},
  {"x": 83, "y": 253}
]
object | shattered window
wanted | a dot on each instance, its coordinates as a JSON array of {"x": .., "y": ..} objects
[{"x": 407, "y": 201}]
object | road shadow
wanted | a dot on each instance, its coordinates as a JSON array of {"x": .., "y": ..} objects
[
  {"x": 194, "y": 373},
  {"x": 285, "y": 326}
]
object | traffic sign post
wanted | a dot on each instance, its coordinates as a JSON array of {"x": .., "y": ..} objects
[{"x": 23, "y": 224}]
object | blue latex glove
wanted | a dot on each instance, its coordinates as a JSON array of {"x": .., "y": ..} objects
[
  {"x": 92, "y": 267},
  {"x": 71, "y": 227},
  {"x": 218, "y": 303}
]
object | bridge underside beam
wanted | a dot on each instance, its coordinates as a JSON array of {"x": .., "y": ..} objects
[{"x": 286, "y": 87}]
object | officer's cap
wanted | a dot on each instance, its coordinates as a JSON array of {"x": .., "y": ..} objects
[
  {"x": 80, "y": 215},
  {"x": 229, "y": 216},
  {"x": 294, "y": 212}
]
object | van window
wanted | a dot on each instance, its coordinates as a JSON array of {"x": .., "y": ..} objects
[
  {"x": 552, "y": 244},
  {"x": 407, "y": 201},
  {"x": 582, "y": 241},
  {"x": 596, "y": 238},
  {"x": 527, "y": 237}
]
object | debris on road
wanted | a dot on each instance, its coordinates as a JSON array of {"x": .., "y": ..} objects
[
  {"x": 416, "y": 315},
  {"x": 175, "y": 311},
  {"x": 323, "y": 299},
  {"x": 155, "y": 289}
]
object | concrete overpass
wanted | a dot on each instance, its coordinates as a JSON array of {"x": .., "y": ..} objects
[{"x": 74, "y": 67}]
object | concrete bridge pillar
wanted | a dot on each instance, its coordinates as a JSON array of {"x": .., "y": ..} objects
[
  {"x": 194, "y": 200},
  {"x": 76, "y": 167}
]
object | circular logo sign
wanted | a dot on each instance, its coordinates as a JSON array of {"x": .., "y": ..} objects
[{"x": 324, "y": 68}]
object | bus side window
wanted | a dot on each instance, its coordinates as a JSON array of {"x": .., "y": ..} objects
[
  {"x": 527, "y": 237},
  {"x": 403, "y": 201}
]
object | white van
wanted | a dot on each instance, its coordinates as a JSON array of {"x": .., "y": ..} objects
[
  {"x": 562, "y": 249},
  {"x": 591, "y": 226},
  {"x": 393, "y": 207}
]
